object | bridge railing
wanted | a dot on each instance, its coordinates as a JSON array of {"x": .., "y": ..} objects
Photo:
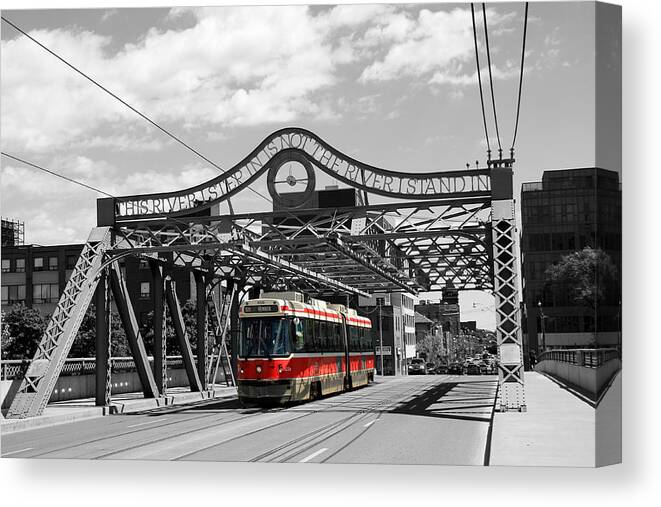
[
  {"x": 589, "y": 369},
  {"x": 590, "y": 358},
  {"x": 13, "y": 368}
]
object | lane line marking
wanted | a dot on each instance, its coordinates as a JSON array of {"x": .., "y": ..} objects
[
  {"x": 369, "y": 423},
  {"x": 15, "y": 452},
  {"x": 161, "y": 419},
  {"x": 313, "y": 455}
]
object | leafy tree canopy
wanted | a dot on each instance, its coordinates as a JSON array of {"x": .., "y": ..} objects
[
  {"x": 22, "y": 328},
  {"x": 587, "y": 277}
]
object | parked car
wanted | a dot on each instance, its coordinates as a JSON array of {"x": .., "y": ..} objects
[
  {"x": 473, "y": 369},
  {"x": 431, "y": 368},
  {"x": 455, "y": 369},
  {"x": 441, "y": 369},
  {"x": 417, "y": 367},
  {"x": 484, "y": 367}
]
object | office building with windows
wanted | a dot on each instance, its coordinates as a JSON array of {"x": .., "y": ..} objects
[
  {"x": 397, "y": 327},
  {"x": 37, "y": 275},
  {"x": 565, "y": 212}
]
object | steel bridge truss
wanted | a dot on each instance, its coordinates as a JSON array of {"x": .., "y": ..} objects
[{"x": 411, "y": 245}]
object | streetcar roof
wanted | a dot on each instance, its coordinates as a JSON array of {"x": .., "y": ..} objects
[{"x": 317, "y": 309}]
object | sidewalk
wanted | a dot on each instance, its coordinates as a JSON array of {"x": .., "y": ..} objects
[
  {"x": 76, "y": 410},
  {"x": 558, "y": 429}
]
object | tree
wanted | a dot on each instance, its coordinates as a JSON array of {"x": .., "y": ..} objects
[
  {"x": 189, "y": 314},
  {"x": 430, "y": 345},
  {"x": 587, "y": 277},
  {"x": 22, "y": 328},
  {"x": 84, "y": 344}
]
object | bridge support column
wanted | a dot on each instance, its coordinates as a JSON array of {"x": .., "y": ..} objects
[
  {"x": 180, "y": 331},
  {"x": 506, "y": 292},
  {"x": 235, "y": 327},
  {"x": 202, "y": 345},
  {"x": 160, "y": 347},
  {"x": 130, "y": 323},
  {"x": 103, "y": 341}
]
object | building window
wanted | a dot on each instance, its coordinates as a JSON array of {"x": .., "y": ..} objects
[
  {"x": 13, "y": 294},
  {"x": 6, "y": 265},
  {"x": 144, "y": 264},
  {"x": 71, "y": 261},
  {"x": 45, "y": 293},
  {"x": 38, "y": 263},
  {"x": 145, "y": 290},
  {"x": 52, "y": 263},
  {"x": 20, "y": 266}
]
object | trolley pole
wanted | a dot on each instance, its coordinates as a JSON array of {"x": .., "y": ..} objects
[{"x": 381, "y": 340}]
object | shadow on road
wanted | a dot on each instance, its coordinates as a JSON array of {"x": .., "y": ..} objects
[{"x": 453, "y": 400}]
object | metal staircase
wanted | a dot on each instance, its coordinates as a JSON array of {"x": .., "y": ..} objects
[
  {"x": 39, "y": 381},
  {"x": 219, "y": 325}
]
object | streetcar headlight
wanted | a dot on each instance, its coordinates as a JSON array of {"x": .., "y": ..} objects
[
  {"x": 241, "y": 370},
  {"x": 258, "y": 369}
]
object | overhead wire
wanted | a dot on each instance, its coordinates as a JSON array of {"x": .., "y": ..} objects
[
  {"x": 80, "y": 183},
  {"x": 523, "y": 56},
  {"x": 493, "y": 97},
  {"x": 122, "y": 101},
  {"x": 479, "y": 80}
]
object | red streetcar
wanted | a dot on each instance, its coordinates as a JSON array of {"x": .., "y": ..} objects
[{"x": 290, "y": 350}]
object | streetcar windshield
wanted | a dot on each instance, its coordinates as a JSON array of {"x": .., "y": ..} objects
[{"x": 265, "y": 337}]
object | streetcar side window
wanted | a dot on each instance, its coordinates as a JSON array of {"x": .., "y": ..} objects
[
  {"x": 323, "y": 339},
  {"x": 369, "y": 344},
  {"x": 354, "y": 339},
  {"x": 298, "y": 335},
  {"x": 336, "y": 337},
  {"x": 309, "y": 335}
]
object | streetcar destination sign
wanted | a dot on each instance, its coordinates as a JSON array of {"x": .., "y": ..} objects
[{"x": 342, "y": 167}]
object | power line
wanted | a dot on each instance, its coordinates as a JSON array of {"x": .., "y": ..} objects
[
  {"x": 493, "y": 97},
  {"x": 116, "y": 97},
  {"x": 479, "y": 80},
  {"x": 56, "y": 174},
  {"x": 523, "y": 55}
]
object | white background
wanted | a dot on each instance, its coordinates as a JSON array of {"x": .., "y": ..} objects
[{"x": 636, "y": 482}]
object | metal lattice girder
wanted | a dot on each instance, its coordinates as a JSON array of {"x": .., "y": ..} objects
[
  {"x": 42, "y": 374},
  {"x": 133, "y": 334},
  {"x": 396, "y": 246},
  {"x": 508, "y": 328},
  {"x": 180, "y": 330},
  {"x": 220, "y": 324}
]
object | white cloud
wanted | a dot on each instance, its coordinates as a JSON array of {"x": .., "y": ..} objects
[
  {"x": 437, "y": 44},
  {"x": 233, "y": 66}
]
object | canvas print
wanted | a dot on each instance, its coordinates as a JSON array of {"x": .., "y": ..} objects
[{"x": 375, "y": 234}]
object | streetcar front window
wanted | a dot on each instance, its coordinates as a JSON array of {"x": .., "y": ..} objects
[{"x": 265, "y": 337}]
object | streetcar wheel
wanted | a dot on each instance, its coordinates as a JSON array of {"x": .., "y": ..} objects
[{"x": 315, "y": 391}]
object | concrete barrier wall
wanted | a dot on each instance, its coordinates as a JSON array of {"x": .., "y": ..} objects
[
  {"x": 74, "y": 387},
  {"x": 591, "y": 380}
]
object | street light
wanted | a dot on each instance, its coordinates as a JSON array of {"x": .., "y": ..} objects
[{"x": 541, "y": 318}]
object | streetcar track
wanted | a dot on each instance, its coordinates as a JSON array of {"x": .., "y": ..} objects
[
  {"x": 318, "y": 407},
  {"x": 215, "y": 424},
  {"x": 236, "y": 437},
  {"x": 296, "y": 443},
  {"x": 362, "y": 416},
  {"x": 122, "y": 434}
]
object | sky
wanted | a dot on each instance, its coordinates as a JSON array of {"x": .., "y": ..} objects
[{"x": 394, "y": 86}]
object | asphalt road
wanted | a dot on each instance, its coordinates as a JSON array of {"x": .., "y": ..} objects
[{"x": 443, "y": 419}]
